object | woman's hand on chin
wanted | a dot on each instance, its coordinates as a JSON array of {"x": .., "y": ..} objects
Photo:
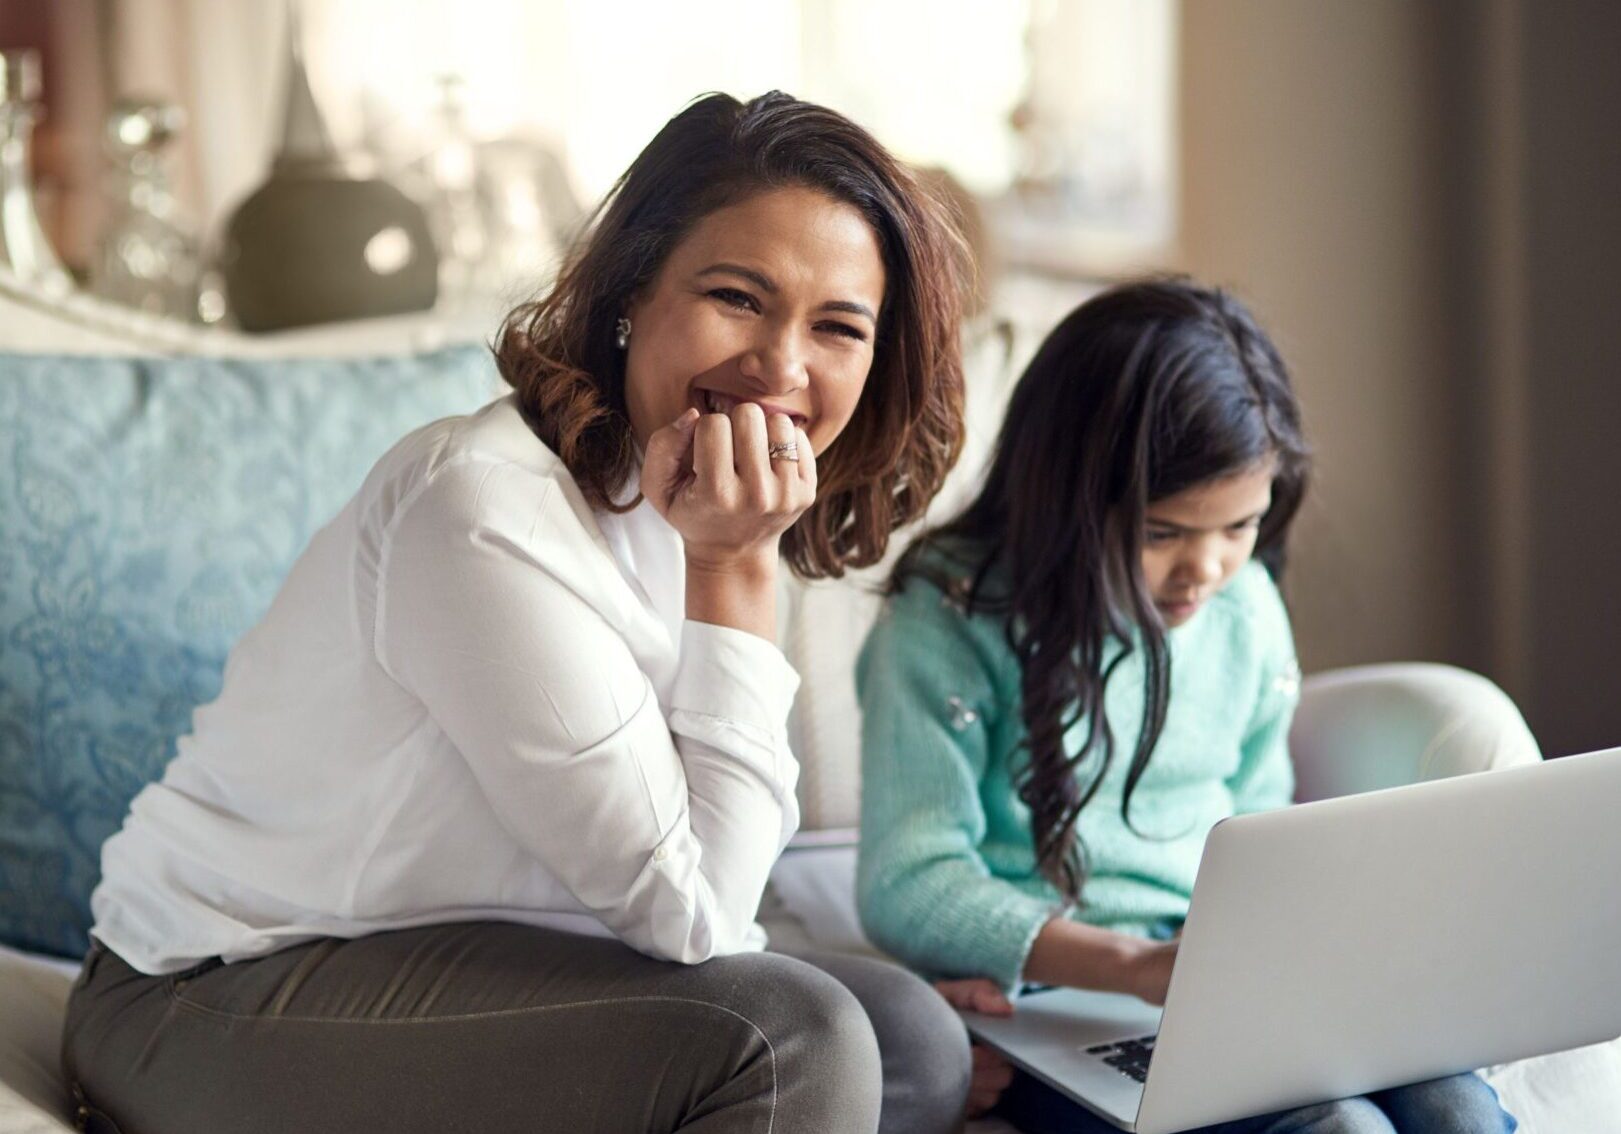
[{"x": 713, "y": 478}]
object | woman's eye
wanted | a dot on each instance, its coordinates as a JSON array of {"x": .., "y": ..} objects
[
  {"x": 741, "y": 300},
  {"x": 845, "y": 330}
]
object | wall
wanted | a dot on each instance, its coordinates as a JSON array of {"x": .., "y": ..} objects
[
  {"x": 1570, "y": 63},
  {"x": 1316, "y": 180},
  {"x": 1421, "y": 201}
]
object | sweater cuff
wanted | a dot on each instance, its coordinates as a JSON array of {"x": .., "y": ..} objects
[
  {"x": 1017, "y": 938},
  {"x": 1002, "y": 935},
  {"x": 734, "y": 676}
]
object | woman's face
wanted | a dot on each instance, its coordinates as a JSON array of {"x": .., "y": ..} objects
[{"x": 775, "y": 301}]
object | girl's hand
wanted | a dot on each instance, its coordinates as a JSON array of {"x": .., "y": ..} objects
[
  {"x": 991, "y": 1076},
  {"x": 711, "y": 477},
  {"x": 992, "y": 1073},
  {"x": 1149, "y": 971}
]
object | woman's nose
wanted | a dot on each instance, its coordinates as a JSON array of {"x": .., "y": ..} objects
[{"x": 775, "y": 363}]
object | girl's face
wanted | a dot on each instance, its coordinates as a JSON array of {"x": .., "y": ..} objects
[
  {"x": 774, "y": 301},
  {"x": 1196, "y": 541}
]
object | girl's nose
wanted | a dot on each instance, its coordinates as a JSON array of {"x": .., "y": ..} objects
[{"x": 1203, "y": 566}]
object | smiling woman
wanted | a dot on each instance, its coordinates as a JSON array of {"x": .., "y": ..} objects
[
  {"x": 836, "y": 281},
  {"x": 507, "y": 759}
]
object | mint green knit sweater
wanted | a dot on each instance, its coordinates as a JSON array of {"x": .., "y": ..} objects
[{"x": 948, "y": 880}]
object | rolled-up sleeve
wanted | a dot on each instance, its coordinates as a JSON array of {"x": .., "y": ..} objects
[{"x": 663, "y": 824}]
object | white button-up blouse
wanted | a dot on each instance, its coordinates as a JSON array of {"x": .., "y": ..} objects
[{"x": 473, "y": 698}]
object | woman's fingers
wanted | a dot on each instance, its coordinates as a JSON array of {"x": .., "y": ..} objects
[
  {"x": 783, "y": 439},
  {"x": 749, "y": 446},
  {"x": 668, "y": 460},
  {"x": 712, "y": 461},
  {"x": 729, "y": 497},
  {"x": 806, "y": 465}
]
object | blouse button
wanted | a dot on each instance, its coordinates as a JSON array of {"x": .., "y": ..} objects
[{"x": 661, "y": 854}]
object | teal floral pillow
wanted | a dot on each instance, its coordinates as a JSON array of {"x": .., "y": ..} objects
[{"x": 149, "y": 509}]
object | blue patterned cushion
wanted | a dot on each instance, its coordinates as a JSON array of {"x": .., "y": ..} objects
[{"x": 149, "y": 509}]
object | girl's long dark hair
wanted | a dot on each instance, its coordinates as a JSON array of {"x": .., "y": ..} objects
[{"x": 1144, "y": 391}]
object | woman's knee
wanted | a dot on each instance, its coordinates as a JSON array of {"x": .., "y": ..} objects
[{"x": 817, "y": 1031}]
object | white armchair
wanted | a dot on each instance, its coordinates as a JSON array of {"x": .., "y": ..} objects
[{"x": 1380, "y": 726}]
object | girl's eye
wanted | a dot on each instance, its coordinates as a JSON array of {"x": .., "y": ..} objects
[
  {"x": 844, "y": 330},
  {"x": 1160, "y": 537},
  {"x": 1246, "y": 525},
  {"x": 731, "y": 297}
]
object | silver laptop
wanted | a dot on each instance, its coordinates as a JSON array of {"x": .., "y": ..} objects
[{"x": 1342, "y": 947}]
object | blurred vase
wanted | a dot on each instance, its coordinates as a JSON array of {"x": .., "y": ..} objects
[
  {"x": 321, "y": 240},
  {"x": 23, "y": 246},
  {"x": 148, "y": 258}
]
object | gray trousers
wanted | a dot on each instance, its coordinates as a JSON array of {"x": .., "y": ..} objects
[{"x": 491, "y": 1027}]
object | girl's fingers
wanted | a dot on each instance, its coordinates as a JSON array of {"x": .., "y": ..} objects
[
  {"x": 975, "y": 994},
  {"x": 992, "y": 1075}
]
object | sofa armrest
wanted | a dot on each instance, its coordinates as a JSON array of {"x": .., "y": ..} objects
[{"x": 1380, "y": 726}]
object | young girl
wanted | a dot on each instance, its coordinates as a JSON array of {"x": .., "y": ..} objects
[{"x": 1075, "y": 679}]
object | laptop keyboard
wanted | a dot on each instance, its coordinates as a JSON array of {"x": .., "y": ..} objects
[{"x": 1129, "y": 1057}]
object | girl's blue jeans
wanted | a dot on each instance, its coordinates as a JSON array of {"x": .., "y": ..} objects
[{"x": 1460, "y": 1104}]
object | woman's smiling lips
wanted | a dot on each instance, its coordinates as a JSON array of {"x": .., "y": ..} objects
[{"x": 713, "y": 401}]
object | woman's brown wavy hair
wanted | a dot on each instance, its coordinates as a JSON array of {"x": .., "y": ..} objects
[
  {"x": 1142, "y": 392},
  {"x": 558, "y": 353}
]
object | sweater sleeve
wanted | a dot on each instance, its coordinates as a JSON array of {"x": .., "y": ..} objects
[
  {"x": 1265, "y": 776},
  {"x": 662, "y": 822},
  {"x": 928, "y": 700}
]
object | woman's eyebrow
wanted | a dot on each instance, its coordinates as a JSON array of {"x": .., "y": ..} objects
[
  {"x": 850, "y": 307},
  {"x": 758, "y": 279},
  {"x": 767, "y": 285}
]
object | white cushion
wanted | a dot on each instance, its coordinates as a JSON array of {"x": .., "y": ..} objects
[{"x": 33, "y": 993}]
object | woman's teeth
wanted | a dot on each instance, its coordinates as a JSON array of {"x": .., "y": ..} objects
[{"x": 718, "y": 403}]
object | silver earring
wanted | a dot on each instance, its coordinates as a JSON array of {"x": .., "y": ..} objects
[{"x": 622, "y": 333}]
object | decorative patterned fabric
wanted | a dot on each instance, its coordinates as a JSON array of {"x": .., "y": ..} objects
[{"x": 149, "y": 508}]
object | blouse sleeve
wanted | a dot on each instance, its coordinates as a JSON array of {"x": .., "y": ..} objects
[
  {"x": 663, "y": 826},
  {"x": 926, "y": 895}
]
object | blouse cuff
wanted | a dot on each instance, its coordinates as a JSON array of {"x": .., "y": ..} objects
[{"x": 734, "y": 676}]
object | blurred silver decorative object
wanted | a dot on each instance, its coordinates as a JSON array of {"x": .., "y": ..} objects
[
  {"x": 501, "y": 210},
  {"x": 23, "y": 247},
  {"x": 148, "y": 257},
  {"x": 322, "y": 239}
]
